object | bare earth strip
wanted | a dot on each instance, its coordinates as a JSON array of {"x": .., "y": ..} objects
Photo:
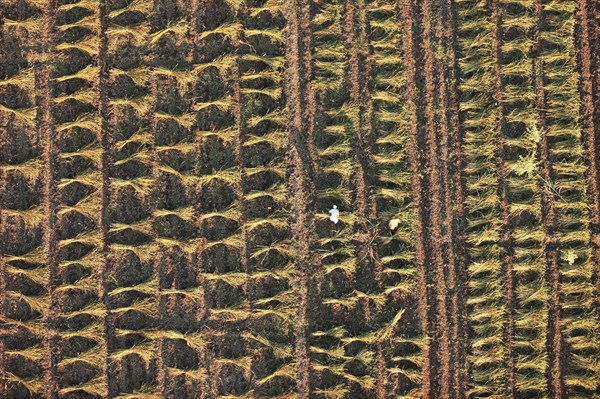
[
  {"x": 588, "y": 88},
  {"x": 299, "y": 186},
  {"x": 47, "y": 131},
  {"x": 166, "y": 168},
  {"x": 422, "y": 291}
]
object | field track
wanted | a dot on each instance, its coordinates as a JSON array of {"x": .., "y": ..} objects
[{"x": 167, "y": 167}]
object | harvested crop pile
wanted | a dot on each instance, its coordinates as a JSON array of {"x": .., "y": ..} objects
[{"x": 312, "y": 199}]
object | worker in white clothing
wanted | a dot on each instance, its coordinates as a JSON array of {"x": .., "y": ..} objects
[{"x": 335, "y": 214}]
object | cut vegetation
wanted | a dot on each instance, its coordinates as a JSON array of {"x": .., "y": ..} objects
[{"x": 341, "y": 199}]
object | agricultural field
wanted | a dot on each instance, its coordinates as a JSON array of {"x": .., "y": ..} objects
[{"x": 167, "y": 168}]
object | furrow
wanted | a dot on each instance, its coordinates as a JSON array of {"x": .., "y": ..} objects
[
  {"x": 105, "y": 141},
  {"x": 301, "y": 161},
  {"x": 554, "y": 344},
  {"x": 587, "y": 48},
  {"x": 440, "y": 344},
  {"x": 452, "y": 155},
  {"x": 50, "y": 158},
  {"x": 422, "y": 292}
]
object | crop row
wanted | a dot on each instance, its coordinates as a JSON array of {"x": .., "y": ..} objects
[
  {"x": 528, "y": 212},
  {"x": 332, "y": 142},
  {"x": 522, "y": 233},
  {"x": 486, "y": 301},
  {"x": 263, "y": 153},
  {"x": 399, "y": 337},
  {"x": 131, "y": 279},
  {"x": 574, "y": 326},
  {"x": 167, "y": 168},
  {"x": 24, "y": 147}
]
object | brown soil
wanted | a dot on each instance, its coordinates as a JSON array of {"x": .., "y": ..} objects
[
  {"x": 416, "y": 143},
  {"x": 298, "y": 48},
  {"x": 166, "y": 168},
  {"x": 555, "y": 336},
  {"x": 588, "y": 52}
]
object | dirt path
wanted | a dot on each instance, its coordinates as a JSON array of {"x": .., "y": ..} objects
[
  {"x": 106, "y": 143},
  {"x": 555, "y": 338},
  {"x": 51, "y": 243},
  {"x": 167, "y": 167},
  {"x": 422, "y": 293},
  {"x": 159, "y": 255},
  {"x": 588, "y": 89},
  {"x": 451, "y": 155},
  {"x": 203, "y": 388},
  {"x": 435, "y": 166},
  {"x": 47, "y": 130},
  {"x": 299, "y": 183}
]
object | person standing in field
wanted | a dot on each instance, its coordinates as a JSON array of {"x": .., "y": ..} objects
[{"x": 334, "y": 214}]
